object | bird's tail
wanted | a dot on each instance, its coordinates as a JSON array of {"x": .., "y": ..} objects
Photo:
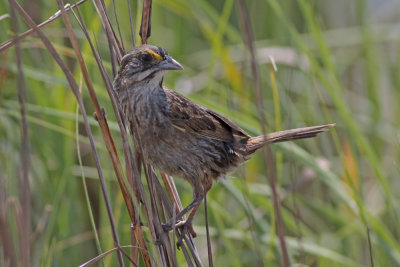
[{"x": 255, "y": 143}]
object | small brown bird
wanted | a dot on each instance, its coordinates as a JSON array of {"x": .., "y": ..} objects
[{"x": 179, "y": 137}]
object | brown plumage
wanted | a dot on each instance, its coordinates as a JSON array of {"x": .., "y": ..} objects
[{"x": 176, "y": 135}]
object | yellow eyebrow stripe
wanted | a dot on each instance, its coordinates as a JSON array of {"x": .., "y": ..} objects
[{"x": 154, "y": 55}]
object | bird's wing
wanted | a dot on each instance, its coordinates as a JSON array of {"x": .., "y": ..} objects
[{"x": 190, "y": 117}]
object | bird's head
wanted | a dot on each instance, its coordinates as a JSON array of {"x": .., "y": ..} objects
[{"x": 145, "y": 64}]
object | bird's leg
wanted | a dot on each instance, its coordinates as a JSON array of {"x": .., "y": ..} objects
[
  {"x": 186, "y": 225},
  {"x": 194, "y": 205}
]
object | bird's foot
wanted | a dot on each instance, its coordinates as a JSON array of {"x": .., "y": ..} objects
[
  {"x": 184, "y": 226},
  {"x": 168, "y": 225}
]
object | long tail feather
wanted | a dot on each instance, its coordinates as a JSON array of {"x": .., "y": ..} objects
[{"x": 255, "y": 143}]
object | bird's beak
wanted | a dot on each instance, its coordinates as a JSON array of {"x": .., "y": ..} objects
[{"x": 169, "y": 64}]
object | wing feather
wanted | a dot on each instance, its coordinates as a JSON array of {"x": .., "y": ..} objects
[{"x": 190, "y": 117}]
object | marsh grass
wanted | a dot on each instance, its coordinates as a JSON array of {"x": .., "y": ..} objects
[{"x": 336, "y": 193}]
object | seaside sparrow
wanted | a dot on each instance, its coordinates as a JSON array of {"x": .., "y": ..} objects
[{"x": 178, "y": 136}]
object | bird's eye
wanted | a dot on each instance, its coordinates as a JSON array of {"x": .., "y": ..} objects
[{"x": 145, "y": 58}]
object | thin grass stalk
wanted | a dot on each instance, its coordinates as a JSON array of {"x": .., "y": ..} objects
[
  {"x": 111, "y": 37},
  {"x": 146, "y": 206},
  {"x": 145, "y": 26},
  {"x": 209, "y": 249},
  {"x": 149, "y": 208},
  {"x": 132, "y": 169},
  {"x": 17, "y": 212},
  {"x": 109, "y": 30},
  {"x": 109, "y": 40},
  {"x": 277, "y": 112},
  {"x": 76, "y": 93},
  {"x": 172, "y": 211},
  {"x": 41, "y": 224},
  {"x": 188, "y": 240},
  {"x": 149, "y": 173},
  {"x": 371, "y": 254},
  {"x": 134, "y": 251},
  {"x": 99, "y": 257},
  {"x": 253, "y": 225},
  {"x": 3, "y": 71},
  {"x": 165, "y": 248},
  {"x": 131, "y": 23},
  {"x": 160, "y": 197},
  {"x": 177, "y": 207},
  {"x": 295, "y": 185},
  {"x": 132, "y": 262},
  {"x": 5, "y": 231},
  {"x": 85, "y": 190},
  {"x": 163, "y": 200},
  {"x": 23, "y": 178},
  {"x": 133, "y": 172},
  {"x": 172, "y": 192},
  {"x": 153, "y": 218},
  {"x": 268, "y": 156},
  {"x": 106, "y": 134},
  {"x": 20, "y": 37},
  {"x": 118, "y": 28},
  {"x": 98, "y": 111}
]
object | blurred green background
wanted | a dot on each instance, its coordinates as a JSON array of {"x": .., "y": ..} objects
[{"x": 337, "y": 62}]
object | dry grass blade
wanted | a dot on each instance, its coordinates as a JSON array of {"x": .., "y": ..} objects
[
  {"x": 131, "y": 23},
  {"x": 177, "y": 207},
  {"x": 145, "y": 26},
  {"x": 5, "y": 231},
  {"x": 9, "y": 43},
  {"x": 209, "y": 249},
  {"x": 42, "y": 223},
  {"x": 371, "y": 255},
  {"x": 102, "y": 255},
  {"x": 117, "y": 21},
  {"x": 134, "y": 251},
  {"x": 3, "y": 71},
  {"x": 98, "y": 257},
  {"x": 166, "y": 251},
  {"x": 268, "y": 156},
  {"x": 23, "y": 178},
  {"x": 98, "y": 111},
  {"x": 151, "y": 209},
  {"x": 132, "y": 169},
  {"x": 109, "y": 30},
  {"x": 156, "y": 195},
  {"x": 108, "y": 140},
  {"x": 75, "y": 90},
  {"x": 172, "y": 210}
]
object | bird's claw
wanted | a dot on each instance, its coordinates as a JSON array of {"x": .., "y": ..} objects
[
  {"x": 168, "y": 225},
  {"x": 185, "y": 227}
]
